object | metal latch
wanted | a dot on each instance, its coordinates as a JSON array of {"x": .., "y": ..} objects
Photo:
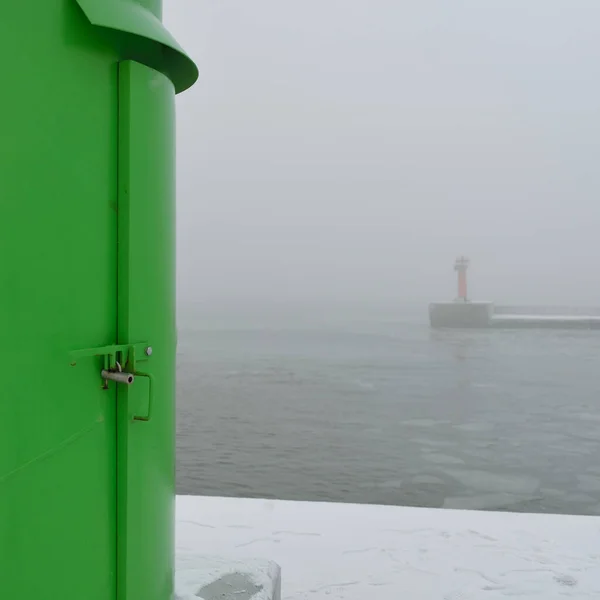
[
  {"x": 117, "y": 376},
  {"x": 114, "y": 357}
]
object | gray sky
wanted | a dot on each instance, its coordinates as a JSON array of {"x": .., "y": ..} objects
[{"x": 337, "y": 149}]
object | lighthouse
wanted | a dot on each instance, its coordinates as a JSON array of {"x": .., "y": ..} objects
[
  {"x": 460, "y": 266},
  {"x": 461, "y": 312}
]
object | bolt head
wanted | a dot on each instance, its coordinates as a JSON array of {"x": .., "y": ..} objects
[{"x": 148, "y": 351}]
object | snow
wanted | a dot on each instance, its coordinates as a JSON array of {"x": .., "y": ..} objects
[
  {"x": 198, "y": 573},
  {"x": 332, "y": 551}
]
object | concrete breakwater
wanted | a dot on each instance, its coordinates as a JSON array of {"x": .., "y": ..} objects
[{"x": 485, "y": 315}]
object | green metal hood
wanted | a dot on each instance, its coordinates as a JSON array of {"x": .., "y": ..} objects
[{"x": 141, "y": 36}]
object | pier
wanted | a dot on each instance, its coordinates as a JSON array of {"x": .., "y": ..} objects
[
  {"x": 463, "y": 313},
  {"x": 333, "y": 551}
]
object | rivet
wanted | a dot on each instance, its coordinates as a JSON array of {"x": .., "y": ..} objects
[{"x": 148, "y": 351}]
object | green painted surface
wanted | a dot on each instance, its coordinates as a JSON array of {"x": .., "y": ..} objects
[
  {"x": 87, "y": 246},
  {"x": 132, "y": 21},
  {"x": 146, "y": 308}
]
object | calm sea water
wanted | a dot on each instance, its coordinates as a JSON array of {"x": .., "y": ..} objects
[{"x": 378, "y": 408}]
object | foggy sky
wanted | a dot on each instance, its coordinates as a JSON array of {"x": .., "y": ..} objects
[{"x": 351, "y": 149}]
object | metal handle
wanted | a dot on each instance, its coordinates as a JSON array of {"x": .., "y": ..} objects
[
  {"x": 150, "y": 396},
  {"x": 127, "y": 378},
  {"x": 117, "y": 376}
]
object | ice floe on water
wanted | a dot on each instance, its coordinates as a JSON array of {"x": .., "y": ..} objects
[
  {"x": 422, "y": 422},
  {"x": 495, "y": 482},
  {"x": 501, "y": 500},
  {"x": 589, "y": 483},
  {"x": 427, "y": 480},
  {"x": 443, "y": 459},
  {"x": 475, "y": 427}
]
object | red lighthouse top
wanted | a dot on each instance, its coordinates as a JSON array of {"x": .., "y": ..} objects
[{"x": 461, "y": 264}]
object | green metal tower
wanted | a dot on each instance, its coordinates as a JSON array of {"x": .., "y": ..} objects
[{"x": 87, "y": 288}]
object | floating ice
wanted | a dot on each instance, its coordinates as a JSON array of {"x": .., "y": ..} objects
[
  {"x": 589, "y": 483},
  {"x": 495, "y": 482},
  {"x": 427, "y": 479},
  {"x": 500, "y": 501},
  {"x": 443, "y": 459}
]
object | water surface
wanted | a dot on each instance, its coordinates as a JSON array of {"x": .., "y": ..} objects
[{"x": 377, "y": 408}]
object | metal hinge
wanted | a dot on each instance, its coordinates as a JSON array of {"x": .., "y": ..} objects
[{"x": 120, "y": 366}]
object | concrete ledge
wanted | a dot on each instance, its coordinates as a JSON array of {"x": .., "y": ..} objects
[
  {"x": 483, "y": 315},
  {"x": 544, "y": 322},
  {"x": 461, "y": 314},
  {"x": 198, "y": 576}
]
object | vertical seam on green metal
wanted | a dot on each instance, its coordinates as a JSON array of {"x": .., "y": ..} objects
[
  {"x": 117, "y": 444},
  {"x": 121, "y": 407}
]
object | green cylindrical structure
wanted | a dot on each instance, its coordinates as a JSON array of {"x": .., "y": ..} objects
[{"x": 87, "y": 284}]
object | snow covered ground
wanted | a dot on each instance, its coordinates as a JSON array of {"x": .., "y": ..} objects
[{"x": 356, "y": 552}]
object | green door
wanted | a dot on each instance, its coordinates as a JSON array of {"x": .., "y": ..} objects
[{"x": 58, "y": 293}]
